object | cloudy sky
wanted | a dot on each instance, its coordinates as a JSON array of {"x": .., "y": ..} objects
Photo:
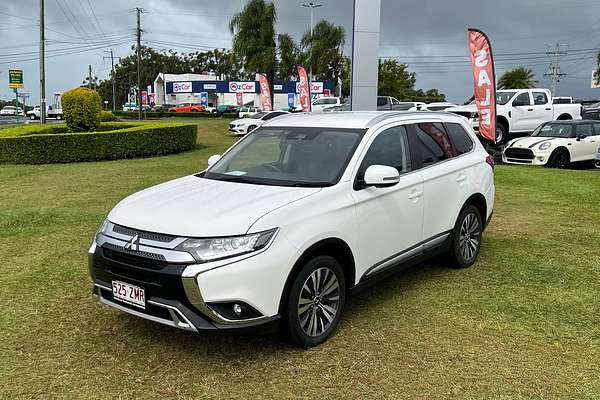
[{"x": 429, "y": 35}]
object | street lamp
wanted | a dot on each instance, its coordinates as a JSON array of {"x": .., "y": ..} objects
[{"x": 312, "y": 7}]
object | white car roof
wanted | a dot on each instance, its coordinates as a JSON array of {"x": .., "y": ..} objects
[{"x": 354, "y": 119}]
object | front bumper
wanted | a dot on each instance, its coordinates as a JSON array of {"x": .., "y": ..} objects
[
  {"x": 524, "y": 156},
  {"x": 237, "y": 130},
  {"x": 180, "y": 294}
]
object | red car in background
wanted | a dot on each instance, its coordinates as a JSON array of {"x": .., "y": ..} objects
[{"x": 187, "y": 107}]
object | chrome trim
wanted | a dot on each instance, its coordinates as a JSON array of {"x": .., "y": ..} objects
[
  {"x": 110, "y": 232},
  {"x": 169, "y": 255},
  {"x": 178, "y": 319}
]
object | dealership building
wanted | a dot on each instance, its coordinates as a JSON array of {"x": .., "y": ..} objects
[{"x": 187, "y": 88}]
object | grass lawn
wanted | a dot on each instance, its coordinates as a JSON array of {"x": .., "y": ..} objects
[{"x": 523, "y": 323}]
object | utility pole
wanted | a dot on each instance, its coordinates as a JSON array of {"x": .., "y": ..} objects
[
  {"x": 139, "y": 69},
  {"x": 90, "y": 77},
  {"x": 42, "y": 66},
  {"x": 113, "y": 78},
  {"x": 312, "y": 7},
  {"x": 554, "y": 68}
]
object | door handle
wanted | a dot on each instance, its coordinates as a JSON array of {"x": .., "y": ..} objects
[
  {"x": 548, "y": 109},
  {"x": 461, "y": 178},
  {"x": 530, "y": 109},
  {"x": 415, "y": 195}
]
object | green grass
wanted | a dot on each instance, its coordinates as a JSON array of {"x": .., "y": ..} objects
[{"x": 523, "y": 323}]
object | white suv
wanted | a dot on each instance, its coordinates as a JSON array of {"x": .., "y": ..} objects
[{"x": 293, "y": 216}]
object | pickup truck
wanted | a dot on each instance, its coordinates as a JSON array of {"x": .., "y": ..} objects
[
  {"x": 388, "y": 103},
  {"x": 51, "y": 112},
  {"x": 520, "y": 111}
]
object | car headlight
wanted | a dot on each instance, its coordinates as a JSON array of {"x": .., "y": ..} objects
[
  {"x": 103, "y": 227},
  {"x": 545, "y": 146},
  {"x": 211, "y": 249}
]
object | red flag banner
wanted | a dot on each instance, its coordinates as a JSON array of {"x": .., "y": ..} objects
[
  {"x": 484, "y": 80},
  {"x": 265, "y": 93},
  {"x": 304, "y": 89}
]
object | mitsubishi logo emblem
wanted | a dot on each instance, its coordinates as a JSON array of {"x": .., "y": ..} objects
[{"x": 133, "y": 244}]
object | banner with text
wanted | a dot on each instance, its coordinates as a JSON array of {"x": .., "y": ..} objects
[
  {"x": 265, "y": 93},
  {"x": 484, "y": 82},
  {"x": 304, "y": 89}
]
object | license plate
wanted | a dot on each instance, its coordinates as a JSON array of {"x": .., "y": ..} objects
[{"x": 130, "y": 294}]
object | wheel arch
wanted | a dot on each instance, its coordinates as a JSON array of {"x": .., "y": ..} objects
[
  {"x": 564, "y": 117},
  {"x": 559, "y": 149},
  {"x": 502, "y": 120},
  {"x": 334, "y": 247},
  {"x": 479, "y": 201}
]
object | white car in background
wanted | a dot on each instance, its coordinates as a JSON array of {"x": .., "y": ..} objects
[
  {"x": 324, "y": 102},
  {"x": 10, "y": 110},
  {"x": 248, "y": 111},
  {"x": 556, "y": 144},
  {"x": 439, "y": 106},
  {"x": 244, "y": 126}
]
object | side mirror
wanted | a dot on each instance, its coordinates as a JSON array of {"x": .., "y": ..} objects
[
  {"x": 381, "y": 176},
  {"x": 213, "y": 159}
]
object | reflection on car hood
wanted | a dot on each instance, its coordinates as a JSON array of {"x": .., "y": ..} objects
[{"x": 198, "y": 207}]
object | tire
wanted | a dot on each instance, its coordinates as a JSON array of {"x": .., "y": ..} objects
[
  {"x": 311, "y": 318},
  {"x": 58, "y": 117},
  {"x": 32, "y": 117},
  {"x": 194, "y": 110},
  {"x": 501, "y": 134},
  {"x": 466, "y": 238},
  {"x": 559, "y": 159}
]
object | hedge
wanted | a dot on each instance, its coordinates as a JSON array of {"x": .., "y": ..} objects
[
  {"x": 165, "y": 114},
  {"x": 81, "y": 108},
  {"x": 125, "y": 140}
]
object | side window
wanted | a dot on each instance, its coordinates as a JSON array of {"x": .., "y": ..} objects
[
  {"x": 381, "y": 101},
  {"x": 596, "y": 129},
  {"x": 460, "y": 138},
  {"x": 540, "y": 98},
  {"x": 394, "y": 101},
  {"x": 522, "y": 100},
  {"x": 389, "y": 148},
  {"x": 433, "y": 143},
  {"x": 584, "y": 129}
]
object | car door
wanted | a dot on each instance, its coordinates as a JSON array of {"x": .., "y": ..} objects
[
  {"x": 586, "y": 143},
  {"x": 542, "y": 110},
  {"x": 522, "y": 110},
  {"x": 389, "y": 219},
  {"x": 446, "y": 179}
]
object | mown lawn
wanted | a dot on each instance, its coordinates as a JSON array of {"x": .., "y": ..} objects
[{"x": 523, "y": 323}]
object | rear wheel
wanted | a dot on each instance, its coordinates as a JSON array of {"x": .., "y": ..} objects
[
  {"x": 559, "y": 159},
  {"x": 466, "y": 237},
  {"x": 315, "y": 302},
  {"x": 32, "y": 117}
]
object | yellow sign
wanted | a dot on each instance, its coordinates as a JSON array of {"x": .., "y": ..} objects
[{"x": 15, "y": 78}]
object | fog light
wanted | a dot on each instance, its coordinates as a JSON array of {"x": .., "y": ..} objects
[{"x": 237, "y": 309}]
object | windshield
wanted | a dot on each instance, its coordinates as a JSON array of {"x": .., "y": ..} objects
[
  {"x": 296, "y": 156},
  {"x": 259, "y": 115},
  {"x": 504, "y": 97},
  {"x": 554, "y": 130}
]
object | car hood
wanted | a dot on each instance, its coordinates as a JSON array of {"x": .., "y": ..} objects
[
  {"x": 198, "y": 207},
  {"x": 246, "y": 121},
  {"x": 532, "y": 141}
]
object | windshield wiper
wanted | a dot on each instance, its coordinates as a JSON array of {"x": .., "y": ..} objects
[{"x": 310, "y": 184}]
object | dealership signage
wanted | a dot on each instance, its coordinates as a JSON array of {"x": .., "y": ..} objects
[
  {"x": 15, "y": 78},
  {"x": 204, "y": 99},
  {"x": 315, "y": 87},
  {"x": 210, "y": 86},
  {"x": 182, "y": 87},
  {"x": 242, "y": 87},
  {"x": 291, "y": 100}
]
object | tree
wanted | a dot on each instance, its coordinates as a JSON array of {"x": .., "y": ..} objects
[
  {"x": 323, "y": 51},
  {"x": 395, "y": 80},
  {"x": 518, "y": 78},
  {"x": 288, "y": 57},
  {"x": 253, "y": 31}
]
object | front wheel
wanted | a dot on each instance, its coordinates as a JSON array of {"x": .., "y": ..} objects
[
  {"x": 560, "y": 159},
  {"x": 466, "y": 237},
  {"x": 501, "y": 134},
  {"x": 32, "y": 117},
  {"x": 315, "y": 302}
]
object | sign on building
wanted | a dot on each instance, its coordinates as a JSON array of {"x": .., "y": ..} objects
[
  {"x": 15, "y": 78},
  {"x": 242, "y": 87},
  {"x": 291, "y": 100},
  {"x": 204, "y": 99},
  {"x": 182, "y": 87},
  {"x": 315, "y": 87}
]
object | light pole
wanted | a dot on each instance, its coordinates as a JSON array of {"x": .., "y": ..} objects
[{"x": 312, "y": 7}]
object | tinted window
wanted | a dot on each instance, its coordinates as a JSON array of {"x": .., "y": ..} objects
[
  {"x": 584, "y": 129},
  {"x": 522, "y": 100},
  {"x": 597, "y": 129},
  {"x": 540, "y": 98},
  {"x": 433, "y": 143},
  {"x": 381, "y": 101},
  {"x": 460, "y": 138},
  {"x": 554, "y": 129},
  {"x": 389, "y": 148}
]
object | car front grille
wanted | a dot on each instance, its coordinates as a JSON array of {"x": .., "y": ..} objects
[
  {"x": 519, "y": 154},
  {"x": 143, "y": 235},
  {"x": 141, "y": 259}
]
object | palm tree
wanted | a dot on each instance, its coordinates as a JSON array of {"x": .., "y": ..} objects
[
  {"x": 253, "y": 31},
  {"x": 323, "y": 51},
  {"x": 518, "y": 78}
]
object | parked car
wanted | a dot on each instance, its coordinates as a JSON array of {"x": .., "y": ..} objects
[
  {"x": 324, "y": 102},
  {"x": 51, "y": 112},
  {"x": 341, "y": 107},
  {"x": 130, "y": 107},
  {"x": 246, "y": 125},
  {"x": 210, "y": 108},
  {"x": 161, "y": 108},
  {"x": 520, "y": 111},
  {"x": 439, "y": 106},
  {"x": 282, "y": 226},
  {"x": 11, "y": 110},
  {"x": 227, "y": 108},
  {"x": 556, "y": 144},
  {"x": 187, "y": 107},
  {"x": 244, "y": 112},
  {"x": 592, "y": 111}
]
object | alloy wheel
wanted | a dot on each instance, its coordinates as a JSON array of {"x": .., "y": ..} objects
[
  {"x": 470, "y": 235},
  {"x": 318, "y": 302}
]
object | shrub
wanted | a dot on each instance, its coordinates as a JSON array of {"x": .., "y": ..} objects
[
  {"x": 81, "y": 109},
  {"x": 107, "y": 116},
  {"x": 120, "y": 140}
]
